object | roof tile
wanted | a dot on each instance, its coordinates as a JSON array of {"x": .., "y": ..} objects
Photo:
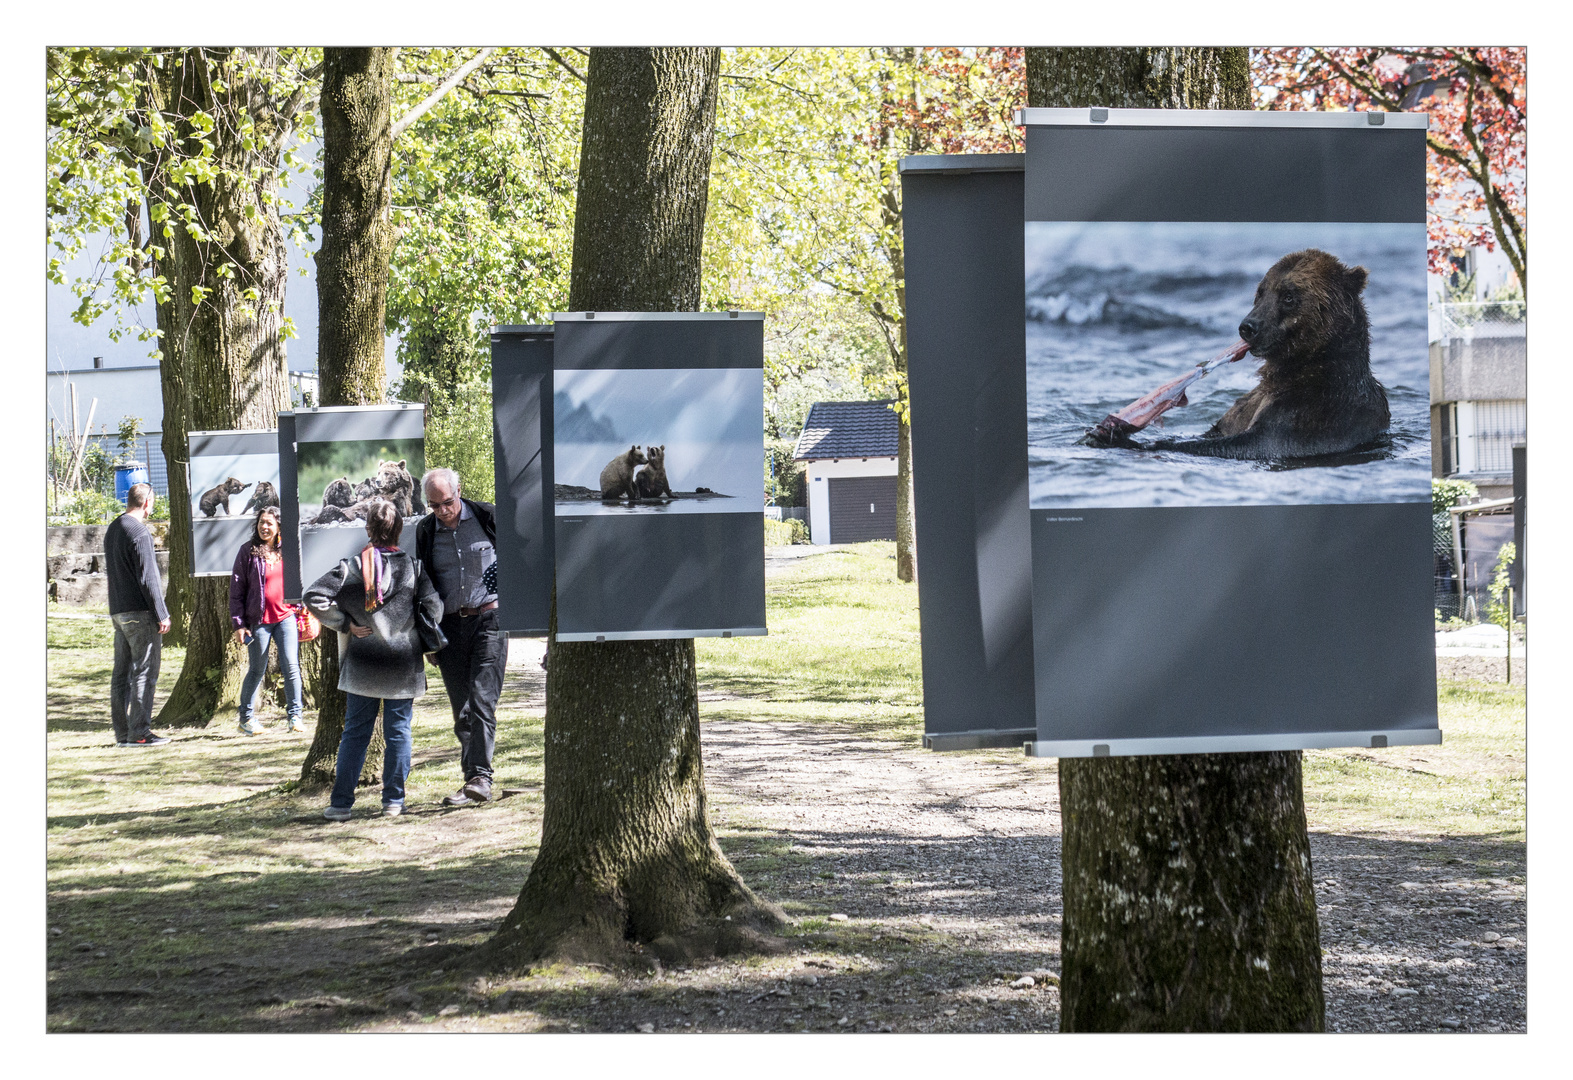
[{"x": 848, "y": 429}]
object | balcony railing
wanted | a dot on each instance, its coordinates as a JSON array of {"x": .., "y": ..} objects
[{"x": 1483, "y": 319}]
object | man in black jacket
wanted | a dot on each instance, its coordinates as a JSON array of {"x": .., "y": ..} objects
[
  {"x": 457, "y": 544},
  {"x": 136, "y": 607}
]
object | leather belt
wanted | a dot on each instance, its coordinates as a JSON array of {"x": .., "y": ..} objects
[{"x": 466, "y": 612}]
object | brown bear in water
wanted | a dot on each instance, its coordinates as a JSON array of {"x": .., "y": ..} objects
[
  {"x": 1317, "y": 394},
  {"x": 265, "y": 495},
  {"x": 217, "y": 498},
  {"x": 617, "y": 479},
  {"x": 651, "y": 480}
]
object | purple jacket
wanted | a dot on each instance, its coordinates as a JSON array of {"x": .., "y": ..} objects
[{"x": 245, "y": 590}]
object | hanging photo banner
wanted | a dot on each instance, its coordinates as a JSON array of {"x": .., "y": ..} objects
[
  {"x": 961, "y": 228},
  {"x": 231, "y": 476},
  {"x": 657, "y": 461},
  {"x": 522, "y": 463},
  {"x": 1228, "y": 430},
  {"x": 337, "y": 462}
]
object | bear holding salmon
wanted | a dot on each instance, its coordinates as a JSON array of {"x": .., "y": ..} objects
[{"x": 1316, "y": 395}]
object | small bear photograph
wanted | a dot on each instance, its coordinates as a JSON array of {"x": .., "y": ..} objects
[
  {"x": 657, "y": 440},
  {"x": 1226, "y": 363},
  {"x": 337, "y": 481},
  {"x": 227, "y": 490}
]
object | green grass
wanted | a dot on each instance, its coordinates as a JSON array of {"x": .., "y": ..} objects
[
  {"x": 1471, "y": 785},
  {"x": 843, "y": 647}
]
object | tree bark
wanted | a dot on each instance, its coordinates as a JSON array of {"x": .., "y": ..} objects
[
  {"x": 1189, "y": 904},
  {"x": 352, "y": 296},
  {"x": 895, "y": 254},
  {"x": 627, "y": 858},
  {"x": 223, "y": 361}
]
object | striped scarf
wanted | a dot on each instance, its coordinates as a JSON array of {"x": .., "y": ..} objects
[{"x": 374, "y": 572}]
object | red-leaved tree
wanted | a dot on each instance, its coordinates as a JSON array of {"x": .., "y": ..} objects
[{"x": 1479, "y": 109}]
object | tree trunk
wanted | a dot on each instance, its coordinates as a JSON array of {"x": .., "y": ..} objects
[
  {"x": 627, "y": 858},
  {"x": 1189, "y": 903},
  {"x": 895, "y": 254},
  {"x": 352, "y": 295},
  {"x": 223, "y": 357}
]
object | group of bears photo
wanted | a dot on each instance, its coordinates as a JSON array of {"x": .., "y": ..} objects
[{"x": 345, "y": 502}]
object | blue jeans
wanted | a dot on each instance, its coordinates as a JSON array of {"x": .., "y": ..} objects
[
  {"x": 360, "y": 717},
  {"x": 284, "y": 633}
]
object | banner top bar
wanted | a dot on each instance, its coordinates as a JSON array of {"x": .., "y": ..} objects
[
  {"x": 1217, "y": 118},
  {"x": 654, "y": 316}
]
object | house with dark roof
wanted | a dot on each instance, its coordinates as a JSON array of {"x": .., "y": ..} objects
[{"x": 850, "y": 450}]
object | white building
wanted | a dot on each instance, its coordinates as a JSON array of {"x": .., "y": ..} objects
[
  {"x": 850, "y": 448},
  {"x": 106, "y": 395}
]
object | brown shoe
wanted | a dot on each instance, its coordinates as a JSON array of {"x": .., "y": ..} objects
[
  {"x": 458, "y": 798},
  {"x": 479, "y": 789}
]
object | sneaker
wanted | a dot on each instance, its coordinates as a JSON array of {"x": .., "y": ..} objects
[
  {"x": 479, "y": 789},
  {"x": 296, "y": 725},
  {"x": 392, "y": 809},
  {"x": 337, "y": 813},
  {"x": 458, "y": 798},
  {"x": 251, "y": 727},
  {"x": 149, "y": 739}
]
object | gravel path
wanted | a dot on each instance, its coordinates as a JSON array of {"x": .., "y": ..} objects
[{"x": 958, "y": 854}]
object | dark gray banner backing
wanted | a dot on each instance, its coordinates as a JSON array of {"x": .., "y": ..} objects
[
  {"x": 522, "y": 464},
  {"x": 962, "y": 231}
]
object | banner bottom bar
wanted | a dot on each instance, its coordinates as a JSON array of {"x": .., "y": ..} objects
[
  {"x": 664, "y": 635},
  {"x": 1234, "y": 744}
]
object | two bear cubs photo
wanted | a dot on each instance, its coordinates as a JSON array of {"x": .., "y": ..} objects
[
  {"x": 215, "y": 501},
  {"x": 1133, "y": 327},
  {"x": 620, "y": 480}
]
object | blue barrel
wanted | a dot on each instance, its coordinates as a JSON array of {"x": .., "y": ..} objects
[{"x": 126, "y": 475}]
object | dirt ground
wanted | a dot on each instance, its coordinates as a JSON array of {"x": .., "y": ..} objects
[{"x": 192, "y": 889}]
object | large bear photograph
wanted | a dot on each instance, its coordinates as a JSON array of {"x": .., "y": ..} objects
[
  {"x": 338, "y": 481},
  {"x": 1226, "y": 363},
  {"x": 229, "y": 482},
  {"x": 657, "y": 441}
]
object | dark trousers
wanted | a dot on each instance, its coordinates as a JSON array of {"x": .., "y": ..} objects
[
  {"x": 138, "y": 650},
  {"x": 472, "y": 670}
]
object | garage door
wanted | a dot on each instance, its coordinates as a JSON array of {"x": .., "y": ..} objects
[{"x": 862, "y": 508}]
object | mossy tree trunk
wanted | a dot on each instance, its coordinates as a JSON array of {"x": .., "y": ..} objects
[
  {"x": 1189, "y": 904},
  {"x": 352, "y": 295},
  {"x": 627, "y": 858},
  {"x": 223, "y": 362}
]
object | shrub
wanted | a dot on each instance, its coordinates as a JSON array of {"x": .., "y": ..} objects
[
  {"x": 1446, "y": 494},
  {"x": 781, "y": 533}
]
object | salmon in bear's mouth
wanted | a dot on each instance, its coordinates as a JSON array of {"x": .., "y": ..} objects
[{"x": 1119, "y": 426}]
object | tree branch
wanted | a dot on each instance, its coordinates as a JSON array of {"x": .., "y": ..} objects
[
  {"x": 555, "y": 55},
  {"x": 438, "y": 94}
]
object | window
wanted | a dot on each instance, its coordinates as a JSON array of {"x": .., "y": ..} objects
[{"x": 1498, "y": 425}]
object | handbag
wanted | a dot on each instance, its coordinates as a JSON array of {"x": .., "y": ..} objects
[{"x": 307, "y": 625}]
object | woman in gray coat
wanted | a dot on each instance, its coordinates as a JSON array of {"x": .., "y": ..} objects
[{"x": 386, "y": 612}]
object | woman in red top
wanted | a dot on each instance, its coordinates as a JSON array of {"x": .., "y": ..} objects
[{"x": 259, "y": 615}]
